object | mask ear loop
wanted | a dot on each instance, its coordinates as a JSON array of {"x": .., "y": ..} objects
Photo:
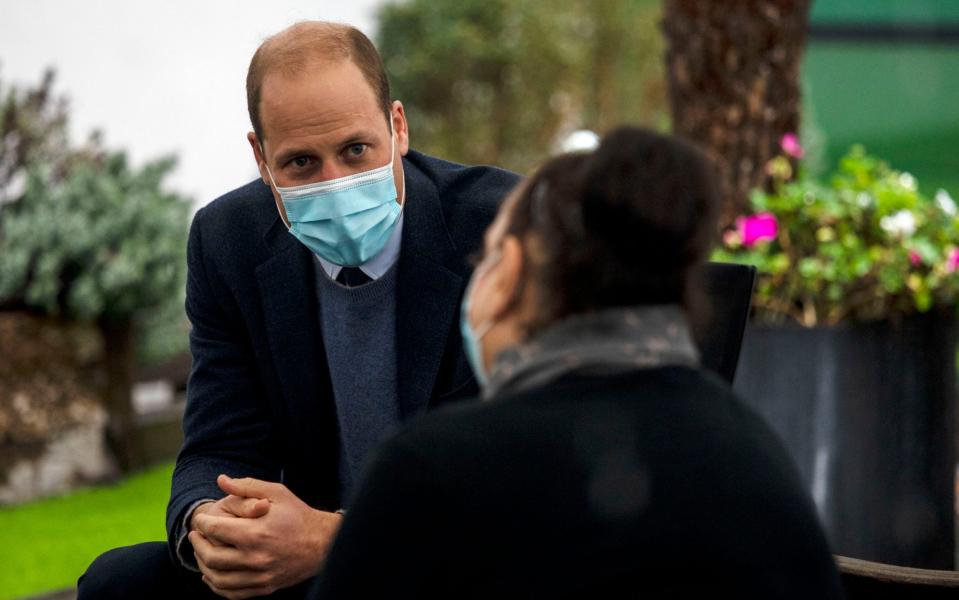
[{"x": 270, "y": 173}]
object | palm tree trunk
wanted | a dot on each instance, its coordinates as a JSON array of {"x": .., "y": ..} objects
[{"x": 734, "y": 85}]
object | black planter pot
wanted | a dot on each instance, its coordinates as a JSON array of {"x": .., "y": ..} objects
[{"x": 868, "y": 412}]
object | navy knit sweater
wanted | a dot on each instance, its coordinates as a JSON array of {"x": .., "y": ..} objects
[{"x": 359, "y": 332}]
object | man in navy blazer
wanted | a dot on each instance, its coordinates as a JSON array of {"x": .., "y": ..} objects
[{"x": 324, "y": 303}]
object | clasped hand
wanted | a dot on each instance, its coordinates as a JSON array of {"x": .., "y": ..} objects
[{"x": 259, "y": 538}]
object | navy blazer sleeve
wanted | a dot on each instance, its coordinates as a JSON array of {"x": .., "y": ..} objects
[{"x": 226, "y": 425}]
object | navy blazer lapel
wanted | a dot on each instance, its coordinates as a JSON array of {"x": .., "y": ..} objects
[
  {"x": 286, "y": 283},
  {"x": 428, "y": 293}
]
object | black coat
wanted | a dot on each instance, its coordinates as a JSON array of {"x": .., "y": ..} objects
[
  {"x": 259, "y": 401},
  {"x": 657, "y": 482}
]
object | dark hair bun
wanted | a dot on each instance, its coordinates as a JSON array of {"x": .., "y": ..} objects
[
  {"x": 647, "y": 196},
  {"x": 624, "y": 225}
]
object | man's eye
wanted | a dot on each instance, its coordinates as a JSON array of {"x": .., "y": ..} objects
[
  {"x": 300, "y": 161},
  {"x": 355, "y": 150}
]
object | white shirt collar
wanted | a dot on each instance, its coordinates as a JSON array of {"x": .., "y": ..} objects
[{"x": 377, "y": 266}]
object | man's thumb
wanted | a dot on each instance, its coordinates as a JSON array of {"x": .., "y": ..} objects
[{"x": 247, "y": 487}]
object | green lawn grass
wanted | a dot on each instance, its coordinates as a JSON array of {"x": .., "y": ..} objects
[{"x": 46, "y": 545}]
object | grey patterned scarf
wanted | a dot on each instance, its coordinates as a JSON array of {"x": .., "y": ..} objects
[{"x": 604, "y": 342}]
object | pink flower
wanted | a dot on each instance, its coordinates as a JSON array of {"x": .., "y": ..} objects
[
  {"x": 914, "y": 258},
  {"x": 952, "y": 262},
  {"x": 757, "y": 228},
  {"x": 791, "y": 146}
]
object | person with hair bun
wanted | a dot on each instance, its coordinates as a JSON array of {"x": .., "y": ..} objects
[{"x": 603, "y": 461}]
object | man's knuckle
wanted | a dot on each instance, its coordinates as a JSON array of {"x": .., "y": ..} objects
[
  {"x": 214, "y": 529},
  {"x": 259, "y": 536},
  {"x": 202, "y": 523},
  {"x": 260, "y": 561}
]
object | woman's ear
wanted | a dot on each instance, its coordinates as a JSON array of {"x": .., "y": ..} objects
[{"x": 508, "y": 277}]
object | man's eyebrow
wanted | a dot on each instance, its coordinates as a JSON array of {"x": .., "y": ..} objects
[{"x": 358, "y": 136}]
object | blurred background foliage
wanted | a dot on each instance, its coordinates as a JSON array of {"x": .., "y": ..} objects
[
  {"x": 504, "y": 81},
  {"x": 100, "y": 240},
  {"x": 83, "y": 234}
]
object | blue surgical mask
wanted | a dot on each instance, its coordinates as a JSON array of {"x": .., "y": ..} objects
[
  {"x": 347, "y": 220},
  {"x": 471, "y": 338}
]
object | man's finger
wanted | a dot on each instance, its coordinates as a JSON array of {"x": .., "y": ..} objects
[
  {"x": 222, "y": 558},
  {"x": 234, "y": 580},
  {"x": 200, "y": 542},
  {"x": 225, "y": 530},
  {"x": 249, "y": 508},
  {"x": 249, "y": 487},
  {"x": 214, "y": 580}
]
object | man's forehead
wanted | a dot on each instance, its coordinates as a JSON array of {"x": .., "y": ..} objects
[
  {"x": 333, "y": 79},
  {"x": 323, "y": 99}
]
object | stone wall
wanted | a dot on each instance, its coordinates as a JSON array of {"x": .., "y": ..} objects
[{"x": 52, "y": 422}]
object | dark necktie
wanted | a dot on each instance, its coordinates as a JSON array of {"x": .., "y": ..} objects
[{"x": 352, "y": 277}]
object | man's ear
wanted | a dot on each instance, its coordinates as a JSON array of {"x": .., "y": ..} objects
[
  {"x": 508, "y": 277},
  {"x": 400, "y": 127},
  {"x": 258, "y": 157}
]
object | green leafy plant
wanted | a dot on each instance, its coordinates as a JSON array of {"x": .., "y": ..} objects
[
  {"x": 83, "y": 234},
  {"x": 104, "y": 241},
  {"x": 862, "y": 244}
]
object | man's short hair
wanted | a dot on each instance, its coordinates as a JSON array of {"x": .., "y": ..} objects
[{"x": 294, "y": 49}]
